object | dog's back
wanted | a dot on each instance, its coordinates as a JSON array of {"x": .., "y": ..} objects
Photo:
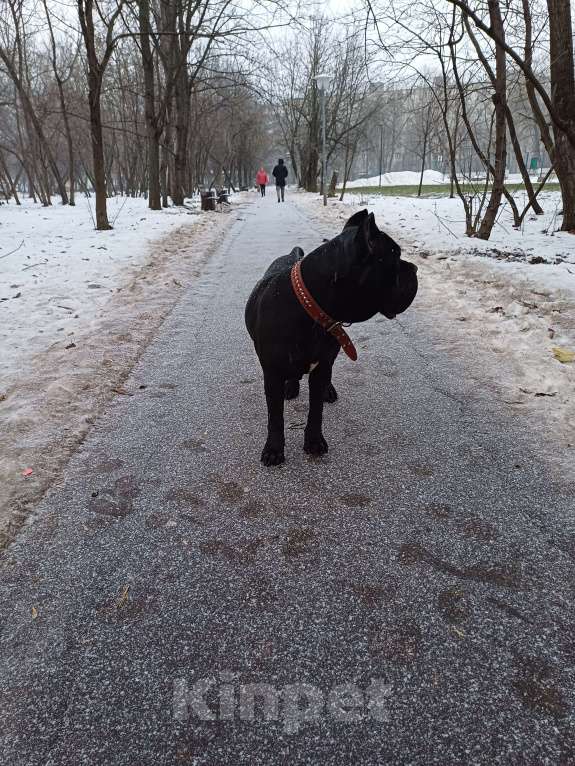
[
  {"x": 277, "y": 270},
  {"x": 283, "y": 263}
]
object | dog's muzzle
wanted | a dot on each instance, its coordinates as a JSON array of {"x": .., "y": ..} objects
[{"x": 406, "y": 290}]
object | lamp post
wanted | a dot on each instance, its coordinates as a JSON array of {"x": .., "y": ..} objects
[
  {"x": 380, "y": 152},
  {"x": 323, "y": 81}
]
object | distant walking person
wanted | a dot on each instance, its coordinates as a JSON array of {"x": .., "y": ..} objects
[
  {"x": 261, "y": 180},
  {"x": 280, "y": 173}
]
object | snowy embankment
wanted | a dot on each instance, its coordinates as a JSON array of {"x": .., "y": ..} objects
[
  {"x": 400, "y": 178},
  {"x": 76, "y": 308},
  {"x": 412, "y": 178},
  {"x": 506, "y": 307}
]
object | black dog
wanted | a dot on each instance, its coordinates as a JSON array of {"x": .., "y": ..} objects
[{"x": 295, "y": 312}]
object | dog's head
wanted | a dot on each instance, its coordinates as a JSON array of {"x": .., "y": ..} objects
[{"x": 386, "y": 282}]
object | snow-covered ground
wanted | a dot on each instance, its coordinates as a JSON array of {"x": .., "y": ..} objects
[
  {"x": 492, "y": 303},
  {"x": 411, "y": 178},
  {"x": 76, "y": 308},
  {"x": 439, "y": 225},
  {"x": 61, "y": 272},
  {"x": 400, "y": 178}
]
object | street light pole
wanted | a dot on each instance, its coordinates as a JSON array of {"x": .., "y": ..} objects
[
  {"x": 324, "y": 163},
  {"x": 323, "y": 80},
  {"x": 380, "y": 152}
]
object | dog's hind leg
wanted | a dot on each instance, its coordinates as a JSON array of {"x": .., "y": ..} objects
[
  {"x": 291, "y": 389},
  {"x": 314, "y": 443},
  {"x": 273, "y": 451},
  {"x": 330, "y": 394}
]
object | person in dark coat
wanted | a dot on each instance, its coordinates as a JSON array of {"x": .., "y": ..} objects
[{"x": 280, "y": 173}]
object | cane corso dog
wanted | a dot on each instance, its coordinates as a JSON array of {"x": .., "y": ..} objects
[{"x": 296, "y": 312}]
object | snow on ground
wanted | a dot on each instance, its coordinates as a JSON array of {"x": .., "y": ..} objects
[
  {"x": 411, "y": 178},
  {"x": 401, "y": 178},
  {"x": 76, "y": 308},
  {"x": 489, "y": 304},
  {"x": 439, "y": 225},
  {"x": 62, "y": 272}
]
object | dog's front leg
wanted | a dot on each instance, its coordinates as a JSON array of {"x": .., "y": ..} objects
[
  {"x": 273, "y": 451},
  {"x": 319, "y": 379}
]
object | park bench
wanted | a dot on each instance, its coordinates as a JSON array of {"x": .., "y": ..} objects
[{"x": 211, "y": 198}]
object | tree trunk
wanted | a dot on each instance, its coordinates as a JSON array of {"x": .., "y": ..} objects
[
  {"x": 178, "y": 73},
  {"x": 165, "y": 155},
  {"x": 332, "y": 184},
  {"x": 309, "y": 166},
  {"x": 500, "y": 103},
  {"x": 11, "y": 183},
  {"x": 180, "y": 154},
  {"x": 96, "y": 71},
  {"x": 102, "y": 223},
  {"x": 563, "y": 99},
  {"x": 154, "y": 194},
  {"x": 423, "y": 156},
  {"x": 71, "y": 162},
  {"x": 559, "y": 160}
]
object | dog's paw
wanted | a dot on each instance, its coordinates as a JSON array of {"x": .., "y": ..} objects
[
  {"x": 272, "y": 455},
  {"x": 330, "y": 394},
  {"x": 291, "y": 389},
  {"x": 315, "y": 444}
]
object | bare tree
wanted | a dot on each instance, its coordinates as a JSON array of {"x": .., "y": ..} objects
[
  {"x": 559, "y": 101},
  {"x": 96, "y": 68},
  {"x": 61, "y": 80},
  {"x": 14, "y": 62}
]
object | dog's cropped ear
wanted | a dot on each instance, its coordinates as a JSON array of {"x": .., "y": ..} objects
[
  {"x": 367, "y": 233},
  {"x": 356, "y": 220}
]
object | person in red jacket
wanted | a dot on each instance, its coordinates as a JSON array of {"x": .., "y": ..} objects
[{"x": 261, "y": 181}]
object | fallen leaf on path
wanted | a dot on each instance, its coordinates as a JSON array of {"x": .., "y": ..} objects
[
  {"x": 34, "y": 613},
  {"x": 122, "y": 391},
  {"x": 123, "y": 600},
  {"x": 564, "y": 355}
]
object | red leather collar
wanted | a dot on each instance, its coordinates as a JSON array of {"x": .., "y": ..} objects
[{"x": 317, "y": 314}]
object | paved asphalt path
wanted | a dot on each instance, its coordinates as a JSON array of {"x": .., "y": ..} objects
[{"x": 410, "y": 595}]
